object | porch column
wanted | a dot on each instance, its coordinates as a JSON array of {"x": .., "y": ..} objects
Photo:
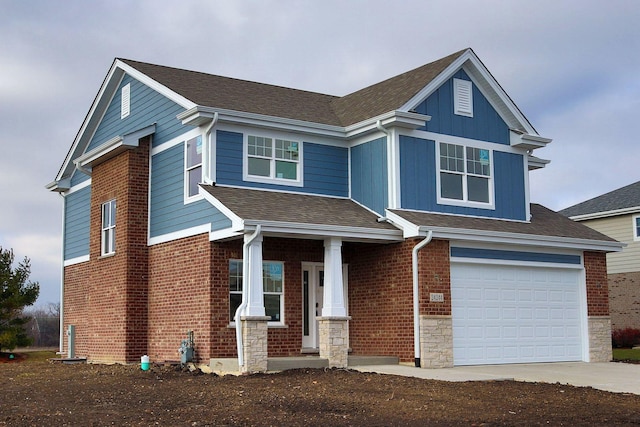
[
  {"x": 333, "y": 325},
  {"x": 253, "y": 319}
]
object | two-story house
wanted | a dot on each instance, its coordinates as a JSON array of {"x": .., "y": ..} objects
[
  {"x": 275, "y": 222},
  {"x": 617, "y": 214}
]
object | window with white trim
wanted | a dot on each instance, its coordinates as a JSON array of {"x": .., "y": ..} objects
[
  {"x": 108, "y": 233},
  {"x": 463, "y": 97},
  {"x": 636, "y": 227},
  {"x": 272, "y": 286},
  {"x": 193, "y": 166},
  {"x": 272, "y": 159},
  {"x": 125, "y": 101},
  {"x": 465, "y": 175}
]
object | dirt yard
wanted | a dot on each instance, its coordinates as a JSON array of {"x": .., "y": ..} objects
[{"x": 36, "y": 392}]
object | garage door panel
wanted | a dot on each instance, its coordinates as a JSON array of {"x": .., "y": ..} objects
[{"x": 514, "y": 314}]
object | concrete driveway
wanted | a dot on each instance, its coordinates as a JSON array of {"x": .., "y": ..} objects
[{"x": 614, "y": 377}]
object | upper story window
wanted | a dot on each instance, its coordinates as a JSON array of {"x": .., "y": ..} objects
[
  {"x": 273, "y": 160},
  {"x": 465, "y": 176},
  {"x": 463, "y": 97},
  {"x": 193, "y": 166},
  {"x": 272, "y": 286},
  {"x": 125, "y": 101},
  {"x": 108, "y": 234},
  {"x": 636, "y": 227}
]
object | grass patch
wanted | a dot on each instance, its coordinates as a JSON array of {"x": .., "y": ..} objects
[
  {"x": 39, "y": 356},
  {"x": 626, "y": 354}
]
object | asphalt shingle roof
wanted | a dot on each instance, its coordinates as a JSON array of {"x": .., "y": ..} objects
[
  {"x": 247, "y": 96},
  {"x": 544, "y": 222},
  {"x": 622, "y": 198}
]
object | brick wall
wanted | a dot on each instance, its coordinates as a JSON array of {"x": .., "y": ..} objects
[
  {"x": 595, "y": 265},
  {"x": 76, "y": 306},
  {"x": 624, "y": 300},
  {"x": 435, "y": 277}
]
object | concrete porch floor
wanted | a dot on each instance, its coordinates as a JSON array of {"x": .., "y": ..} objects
[{"x": 275, "y": 364}]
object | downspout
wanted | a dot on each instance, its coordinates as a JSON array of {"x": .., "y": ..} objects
[
  {"x": 61, "y": 338},
  {"x": 416, "y": 297},
  {"x": 243, "y": 304},
  {"x": 207, "y": 135}
]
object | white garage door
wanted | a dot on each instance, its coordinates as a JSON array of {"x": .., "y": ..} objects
[{"x": 514, "y": 314}]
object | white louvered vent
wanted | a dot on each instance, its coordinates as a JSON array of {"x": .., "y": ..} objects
[
  {"x": 463, "y": 97},
  {"x": 125, "y": 103}
]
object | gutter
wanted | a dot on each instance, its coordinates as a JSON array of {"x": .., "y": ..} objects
[
  {"x": 416, "y": 296},
  {"x": 243, "y": 304}
]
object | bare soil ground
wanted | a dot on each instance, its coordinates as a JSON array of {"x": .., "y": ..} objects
[{"x": 38, "y": 392}]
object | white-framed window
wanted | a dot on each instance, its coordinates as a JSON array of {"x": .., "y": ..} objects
[
  {"x": 273, "y": 289},
  {"x": 193, "y": 166},
  {"x": 463, "y": 97},
  {"x": 108, "y": 234},
  {"x": 272, "y": 160},
  {"x": 465, "y": 175},
  {"x": 636, "y": 227},
  {"x": 125, "y": 101}
]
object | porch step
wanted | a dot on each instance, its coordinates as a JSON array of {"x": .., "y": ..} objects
[{"x": 372, "y": 360}]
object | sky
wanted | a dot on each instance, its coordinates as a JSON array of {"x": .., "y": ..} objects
[{"x": 572, "y": 67}]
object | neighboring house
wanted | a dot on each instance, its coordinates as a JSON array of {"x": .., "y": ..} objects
[
  {"x": 391, "y": 221},
  {"x": 617, "y": 214}
]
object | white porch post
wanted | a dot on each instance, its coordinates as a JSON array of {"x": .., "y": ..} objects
[
  {"x": 333, "y": 305},
  {"x": 253, "y": 277},
  {"x": 333, "y": 325}
]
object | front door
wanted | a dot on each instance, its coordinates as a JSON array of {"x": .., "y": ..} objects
[{"x": 312, "y": 298}]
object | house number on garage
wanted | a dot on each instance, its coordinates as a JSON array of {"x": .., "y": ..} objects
[{"x": 436, "y": 297}]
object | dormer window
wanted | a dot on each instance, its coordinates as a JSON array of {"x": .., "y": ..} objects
[
  {"x": 465, "y": 176},
  {"x": 463, "y": 97},
  {"x": 273, "y": 160}
]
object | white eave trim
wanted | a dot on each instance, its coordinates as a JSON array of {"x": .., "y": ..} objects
[
  {"x": 61, "y": 186},
  {"x": 323, "y": 230},
  {"x": 534, "y": 162},
  {"x": 112, "y": 148},
  {"x": 606, "y": 214},
  {"x": 527, "y": 141},
  {"x": 199, "y": 115}
]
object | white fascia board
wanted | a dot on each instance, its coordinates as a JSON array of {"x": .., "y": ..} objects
[
  {"x": 485, "y": 82},
  {"x": 408, "y": 228},
  {"x": 61, "y": 186},
  {"x": 198, "y": 115},
  {"x": 324, "y": 230},
  {"x": 527, "y": 141},
  {"x": 536, "y": 162},
  {"x": 606, "y": 214},
  {"x": 487, "y": 236}
]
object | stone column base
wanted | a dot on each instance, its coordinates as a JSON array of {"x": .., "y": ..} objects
[
  {"x": 436, "y": 341},
  {"x": 334, "y": 340},
  {"x": 254, "y": 343},
  {"x": 600, "y": 347}
]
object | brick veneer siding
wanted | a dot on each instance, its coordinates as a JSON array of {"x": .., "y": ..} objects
[
  {"x": 624, "y": 300},
  {"x": 115, "y": 324},
  {"x": 595, "y": 265},
  {"x": 381, "y": 294},
  {"x": 76, "y": 306}
]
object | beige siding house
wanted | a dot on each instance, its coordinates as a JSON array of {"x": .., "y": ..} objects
[{"x": 617, "y": 214}]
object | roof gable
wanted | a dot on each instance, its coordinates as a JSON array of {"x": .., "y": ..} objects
[{"x": 621, "y": 201}]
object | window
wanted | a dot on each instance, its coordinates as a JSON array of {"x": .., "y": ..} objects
[
  {"x": 108, "y": 240},
  {"x": 125, "y": 101},
  {"x": 463, "y": 97},
  {"x": 465, "y": 174},
  {"x": 272, "y": 282},
  {"x": 193, "y": 166},
  {"x": 272, "y": 159},
  {"x": 636, "y": 227}
]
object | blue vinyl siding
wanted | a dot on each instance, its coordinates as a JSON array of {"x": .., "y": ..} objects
[
  {"x": 369, "y": 176},
  {"x": 147, "y": 107},
  {"x": 515, "y": 256},
  {"x": 78, "y": 177},
  {"x": 168, "y": 213},
  {"x": 419, "y": 191},
  {"x": 485, "y": 125},
  {"x": 77, "y": 214},
  {"x": 325, "y": 167}
]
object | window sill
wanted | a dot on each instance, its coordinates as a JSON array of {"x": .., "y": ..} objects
[{"x": 112, "y": 254}]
